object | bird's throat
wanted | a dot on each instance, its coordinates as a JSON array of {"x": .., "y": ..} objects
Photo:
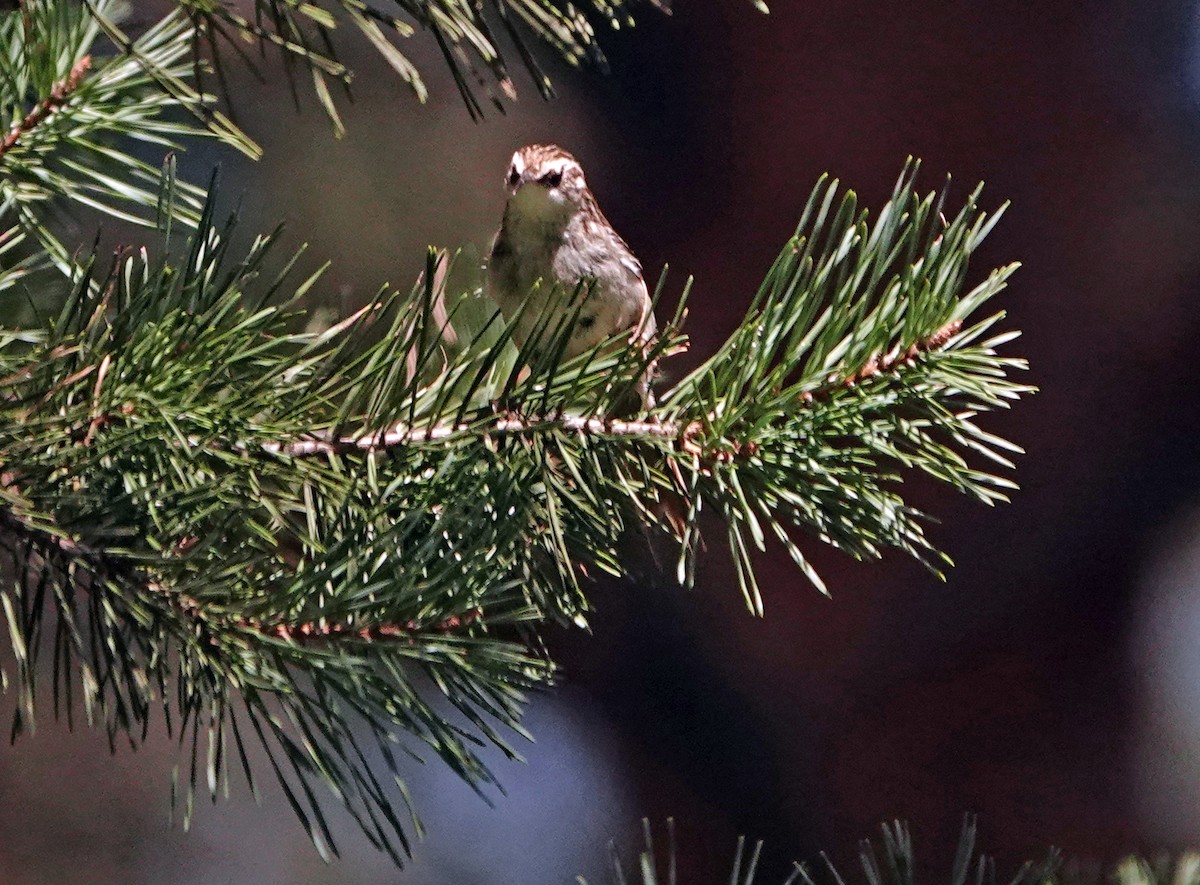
[{"x": 533, "y": 214}]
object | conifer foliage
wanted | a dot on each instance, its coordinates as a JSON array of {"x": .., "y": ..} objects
[{"x": 330, "y": 549}]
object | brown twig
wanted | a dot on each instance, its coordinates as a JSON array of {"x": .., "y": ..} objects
[
  {"x": 59, "y": 93},
  {"x": 301, "y": 633},
  {"x": 897, "y": 358},
  {"x": 98, "y": 418},
  {"x": 881, "y": 365},
  {"x": 102, "y": 562}
]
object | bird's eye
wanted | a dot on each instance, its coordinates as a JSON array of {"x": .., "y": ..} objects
[
  {"x": 552, "y": 179},
  {"x": 513, "y": 177}
]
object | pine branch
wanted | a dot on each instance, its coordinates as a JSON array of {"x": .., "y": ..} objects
[
  {"x": 684, "y": 436},
  {"x": 102, "y": 561},
  {"x": 880, "y": 365},
  {"x": 339, "y": 543},
  {"x": 205, "y": 510},
  {"x": 59, "y": 93},
  {"x": 73, "y": 115},
  {"x": 301, "y": 633},
  {"x": 302, "y": 32},
  {"x": 403, "y": 437},
  {"x": 206, "y": 593}
]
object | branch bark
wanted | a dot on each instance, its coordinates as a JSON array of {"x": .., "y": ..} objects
[
  {"x": 59, "y": 93},
  {"x": 684, "y": 434},
  {"x": 404, "y": 436},
  {"x": 101, "y": 562}
]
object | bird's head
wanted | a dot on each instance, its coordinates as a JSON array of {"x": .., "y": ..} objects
[{"x": 545, "y": 182}]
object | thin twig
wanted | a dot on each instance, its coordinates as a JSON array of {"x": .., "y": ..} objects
[
  {"x": 889, "y": 362},
  {"x": 98, "y": 419},
  {"x": 301, "y": 633},
  {"x": 103, "y": 562},
  {"x": 59, "y": 93},
  {"x": 402, "y": 436}
]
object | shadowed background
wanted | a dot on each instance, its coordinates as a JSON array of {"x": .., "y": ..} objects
[{"x": 1052, "y": 685}]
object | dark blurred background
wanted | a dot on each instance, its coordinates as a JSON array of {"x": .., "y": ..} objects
[{"x": 1051, "y": 685}]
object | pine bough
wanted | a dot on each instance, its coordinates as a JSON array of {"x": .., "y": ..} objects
[
  {"x": 339, "y": 545},
  {"x": 304, "y": 539}
]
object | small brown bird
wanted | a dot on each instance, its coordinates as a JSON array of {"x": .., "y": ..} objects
[{"x": 554, "y": 232}]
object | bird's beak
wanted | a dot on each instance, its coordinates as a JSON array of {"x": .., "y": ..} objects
[{"x": 513, "y": 186}]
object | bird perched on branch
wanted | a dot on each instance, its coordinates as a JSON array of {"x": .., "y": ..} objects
[{"x": 554, "y": 242}]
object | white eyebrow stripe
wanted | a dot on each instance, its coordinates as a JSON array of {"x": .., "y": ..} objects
[{"x": 560, "y": 164}]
